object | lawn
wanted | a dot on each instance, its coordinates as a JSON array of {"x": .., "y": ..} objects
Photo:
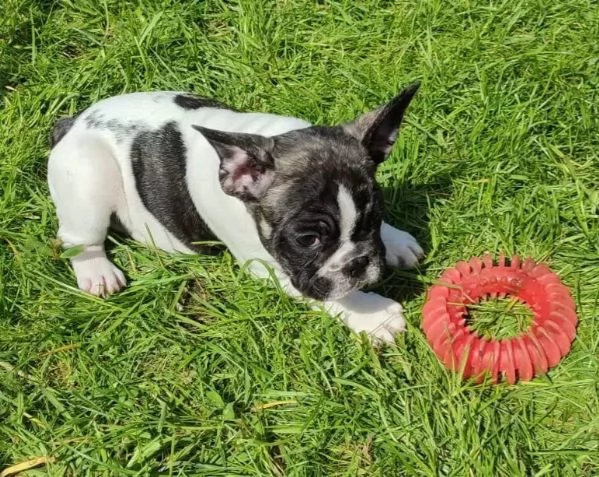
[{"x": 196, "y": 369}]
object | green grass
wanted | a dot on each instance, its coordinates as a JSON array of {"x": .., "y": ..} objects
[
  {"x": 500, "y": 318},
  {"x": 196, "y": 369}
]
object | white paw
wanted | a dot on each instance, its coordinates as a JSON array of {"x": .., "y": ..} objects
[
  {"x": 97, "y": 275},
  {"x": 402, "y": 250},
  {"x": 381, "y": 318}
]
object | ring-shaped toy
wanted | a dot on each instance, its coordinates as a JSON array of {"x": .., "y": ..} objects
[{"x": 522, "y": 357}]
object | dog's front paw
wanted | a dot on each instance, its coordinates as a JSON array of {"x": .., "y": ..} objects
[
  {"x": 402, "y": 250},
  {"x": 96, "y": 274},
  {"x": 382, "y": 325},
  {"x": 379, "y": 317},
  {"x": 100, "y": 279}
]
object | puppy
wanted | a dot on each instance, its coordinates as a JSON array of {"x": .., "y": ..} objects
[{"x": 172, "y": 169}]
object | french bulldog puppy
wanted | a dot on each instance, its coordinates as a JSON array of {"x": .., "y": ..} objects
[{"x": 172, "y": 169}]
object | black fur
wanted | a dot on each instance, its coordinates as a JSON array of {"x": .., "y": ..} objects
[
  {"x": 59, "y": 130},
  {"x": 159, "y": 167},
  {"x": 117, "y": 225},
  {"x": 316, "y": 161},
  {"x": 379, "y": 138},
  {"x": 378, "y": 129},
  {"x": 315, "y": 210},
  {"x": 188, "y": 101}
]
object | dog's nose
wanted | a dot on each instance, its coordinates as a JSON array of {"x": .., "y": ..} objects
[{"x": 357, "y": 266}]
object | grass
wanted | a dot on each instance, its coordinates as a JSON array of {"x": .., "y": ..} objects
[
  {"x": 196, "y": 369},
  {"x": 501, "y": 318}
]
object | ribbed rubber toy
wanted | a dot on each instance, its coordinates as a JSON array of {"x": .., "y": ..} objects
[{"x": 519, "y": 358}]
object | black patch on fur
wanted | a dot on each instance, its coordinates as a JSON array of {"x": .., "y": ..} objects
[
  {"x": 62, "y": 126},
  {"x": 314, "y": 202},
  {"x": 370, "y": 206},
  {"x": 94, "y": 120},
  {"x": 190, "y": 101},
  {"x": 310, "y": 164},
  {"x": 159, "y": 168},
  {"x": 117, "y": 225},
  {"x": 121, "y": 130}
]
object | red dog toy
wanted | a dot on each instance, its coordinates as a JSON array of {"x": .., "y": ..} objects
[{"x": 541, "y": 347}]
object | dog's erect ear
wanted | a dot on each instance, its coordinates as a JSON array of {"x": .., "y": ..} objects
[
  {"x": 246, "y": 165},
  {"x": 378, "y": 129}
]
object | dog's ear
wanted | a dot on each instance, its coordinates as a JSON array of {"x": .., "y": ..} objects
[
  {"x": 378, "y": 129},
  {"x": 246, "y": 164}
]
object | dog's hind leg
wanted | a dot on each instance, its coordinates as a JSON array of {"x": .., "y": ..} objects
[{"x": 86, "y": 187}]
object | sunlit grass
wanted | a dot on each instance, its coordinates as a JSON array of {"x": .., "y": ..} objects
[{"x": 197, "y": 369}]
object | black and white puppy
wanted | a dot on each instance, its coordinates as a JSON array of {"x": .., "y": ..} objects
[{"x": 173, "y": 169}]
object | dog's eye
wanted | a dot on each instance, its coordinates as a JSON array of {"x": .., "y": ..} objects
[{"x": 308, "y": 240}]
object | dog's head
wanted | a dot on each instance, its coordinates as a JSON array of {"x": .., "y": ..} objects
[{"x": 313, "y": 195}]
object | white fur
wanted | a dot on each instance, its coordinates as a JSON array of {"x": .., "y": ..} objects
[
  {"x": 379, "y": 317},
  {"x": 90, "y": 177},
  {"x": 95, "y": 273},
  {"x": 347, "y": 212},
  {"x": 402, "y": 249},
  {"x": 347, "y": 222}
]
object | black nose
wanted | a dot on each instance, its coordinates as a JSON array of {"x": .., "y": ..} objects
[{"x": 357, "y": 266}]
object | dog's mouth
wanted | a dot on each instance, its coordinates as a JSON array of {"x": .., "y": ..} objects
[
  {"x": 317, "y": 288},
  {"x": 322, "y": 288}
]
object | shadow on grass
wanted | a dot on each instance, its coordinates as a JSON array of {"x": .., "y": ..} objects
[{"x": 411, "y": 213}]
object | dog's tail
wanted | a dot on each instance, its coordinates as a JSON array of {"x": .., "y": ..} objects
[{"x": 62, "y": 126}]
